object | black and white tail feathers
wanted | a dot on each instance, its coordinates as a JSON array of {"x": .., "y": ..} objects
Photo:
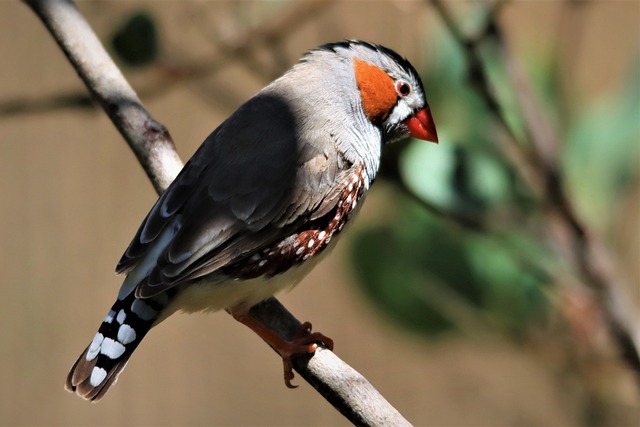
[{"x": 98, "y": 367}]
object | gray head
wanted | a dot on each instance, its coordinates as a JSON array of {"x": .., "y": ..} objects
[
  {"x": 358, "y": 94},
  {"x": 391, "y": 92}
]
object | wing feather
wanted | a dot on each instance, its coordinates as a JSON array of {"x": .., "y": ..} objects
[{"x": 252, "y": 177}]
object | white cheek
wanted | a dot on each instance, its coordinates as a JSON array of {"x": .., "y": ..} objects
[
  {"x": 399, "y": 113},
  {"x": 405, "y": 107}
]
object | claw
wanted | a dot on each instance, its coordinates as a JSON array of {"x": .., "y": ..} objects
[
  {"x": 288, "y": 372},
  {"x": 303, "y": 342}
]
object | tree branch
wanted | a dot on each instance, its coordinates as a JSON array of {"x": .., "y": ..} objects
[{"x": 340, "y": 384}]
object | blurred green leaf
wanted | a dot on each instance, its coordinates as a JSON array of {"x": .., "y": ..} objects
[
  {"x": 456, "y": 179},
  {"x": 393, "y": 287},
  {"x": 136, "y": 40},
  {"x": 513, "y": 290},
  {"x": 426, "y": 169},
  {"x": 466, "y": 173},
  {"x": 432, "y": 278}
]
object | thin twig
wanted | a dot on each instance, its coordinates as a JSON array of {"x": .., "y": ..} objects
[{"x": 340, "y": 384}]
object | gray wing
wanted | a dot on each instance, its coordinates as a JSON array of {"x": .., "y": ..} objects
[{"x": 251, "y": 180}]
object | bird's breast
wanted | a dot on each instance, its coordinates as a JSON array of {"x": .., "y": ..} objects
[{"x": 307, "y": 242}]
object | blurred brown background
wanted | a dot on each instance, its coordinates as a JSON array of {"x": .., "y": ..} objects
[{"x": 73, "y": 195}]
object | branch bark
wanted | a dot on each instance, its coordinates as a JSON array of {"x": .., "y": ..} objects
[{"x": 341, "y": 385}]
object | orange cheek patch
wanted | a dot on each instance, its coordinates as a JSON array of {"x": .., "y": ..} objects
[{"x": 377, "y": 91}]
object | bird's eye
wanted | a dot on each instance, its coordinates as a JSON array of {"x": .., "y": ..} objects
[{"x": 403, "y": 88}]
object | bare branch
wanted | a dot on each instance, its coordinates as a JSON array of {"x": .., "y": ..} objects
[
  {"x": 14, "y": 107},
  {"x": 340, "y": 384}
]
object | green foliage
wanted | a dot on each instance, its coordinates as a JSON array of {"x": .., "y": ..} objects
[
  {"x": 136, "y": 40},
  {"x": 433, "y": 276},
  {"x": 458, "y": 179},
  {"x": 467, "y": 173}
]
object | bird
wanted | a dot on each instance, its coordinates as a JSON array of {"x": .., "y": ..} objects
[{"x": 260, "y": 201}]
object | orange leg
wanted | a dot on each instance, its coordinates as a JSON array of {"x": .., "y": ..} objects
[{"x": 303, "y": 342}]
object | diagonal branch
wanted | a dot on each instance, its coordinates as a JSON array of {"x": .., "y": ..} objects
[{"x": 340, "y": 384}]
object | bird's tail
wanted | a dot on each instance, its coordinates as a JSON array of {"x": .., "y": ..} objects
[{"x": 99, "y": 366}]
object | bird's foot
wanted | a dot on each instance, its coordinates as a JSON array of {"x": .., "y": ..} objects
[{"x": 304, "y": 341}]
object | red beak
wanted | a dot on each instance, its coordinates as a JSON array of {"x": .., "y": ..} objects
[{"x": 421, "y": 125}]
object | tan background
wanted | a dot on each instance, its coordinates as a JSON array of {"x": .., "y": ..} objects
[{"x": 72, "y": 195}]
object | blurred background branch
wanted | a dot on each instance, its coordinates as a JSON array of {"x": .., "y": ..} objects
[
  {"x": 589, "y": 257},
  {"x": 169, "y": 75}
]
